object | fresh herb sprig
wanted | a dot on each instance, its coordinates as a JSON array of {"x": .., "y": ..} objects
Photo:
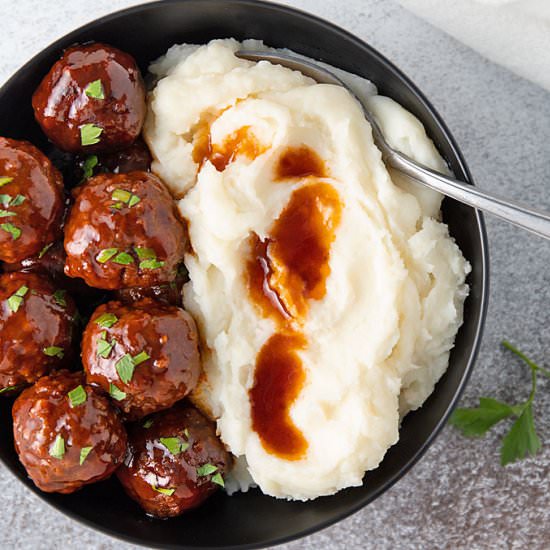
[{"x": 522, "y": 438}]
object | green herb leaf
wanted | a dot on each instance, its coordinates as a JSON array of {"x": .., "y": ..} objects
[
  {"x": 10, "y": 388},
  {"x": 123, "y": 258},
  {"x": 4, "y": 180},
  {"x": 84, "y": 452},
  {"x": 77, "y": 396},
  {"x": 134, "y": 199},
  {"x": 88, "y": 166},
  {"x": 125, "y": 368},
  {"x": 117, "y": 205},
  {"x": 104, "y": 348},
  {"x": 116, "y": 393},
  {"x": 15, "y": 300},
  {"x": 95, "y": 90},
  {"x": 5, "y": 200},
  {"x": 57, "y": 450},
  {"x": 218, "y": 479},
  {"x": 206, "y": 470},
  {"x": 477, "y": 421},
  {"x": 151, "y": 264},
  {"x": 106, "y": 320},
  {"x": 148, "y": 423},
  {"x": 13, "y": 230},
  {"x": 89, "y": 134},
  {"x": 59, "y": 297},
  {"x": 121, "y": 195},
  {"x": 18, "y": 200},
  {"x": 145, "y": 253},
  {"x": 174, "y": 444},
  {"x": 140, "y": 358},
  {"x": 162, "y": 490},
  {"x": 106, "y": 254},
  {"x": 522, "y": 438},
  {"x": 6, "y": 214},
  {"x": 54, "y": 351},
  {"x": 44, "y": 250}
]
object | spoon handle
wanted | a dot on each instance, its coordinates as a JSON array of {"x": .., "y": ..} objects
[{"x": 532, "y": 220}]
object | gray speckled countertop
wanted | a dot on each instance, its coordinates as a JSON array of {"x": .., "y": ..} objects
[{"x": 457, "y": 496}]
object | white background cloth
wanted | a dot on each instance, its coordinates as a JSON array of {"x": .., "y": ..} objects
[
  {"x": 514, "y": 33},
  {"x": 457, "y": 496}
]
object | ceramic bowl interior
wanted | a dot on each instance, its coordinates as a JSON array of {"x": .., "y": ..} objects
[{"x": 251, "y": 519}]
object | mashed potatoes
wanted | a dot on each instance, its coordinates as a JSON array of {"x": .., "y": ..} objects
[{"x": 374, "y": 312}]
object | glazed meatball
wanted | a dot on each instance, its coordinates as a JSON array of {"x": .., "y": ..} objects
[
  {"x": 93, "y": 99},
  {"x": 174, "y": 462},
  {"x": 124, "y": 231},
  {"x": 36, "y": 328},
  {"x": 66, "y": 434},
  {"x": 31, "y": 200},
  {"x": 145, "y": 355},
  {"x": 134, "y": 158}
]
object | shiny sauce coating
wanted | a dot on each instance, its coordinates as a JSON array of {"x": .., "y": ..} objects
[{"x": 285, "y": 271}]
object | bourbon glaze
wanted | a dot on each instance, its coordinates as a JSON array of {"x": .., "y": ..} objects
[
  {"x": 285, "y": 271},
  {"x": 242, "y": 142}
]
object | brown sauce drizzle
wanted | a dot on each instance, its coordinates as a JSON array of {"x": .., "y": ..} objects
[
  {"x": 285, "y": 271},
  {"x": 300, "y": 162},
  {"x": 241, "y": 142},
  {"x": 278, "y": 380}
]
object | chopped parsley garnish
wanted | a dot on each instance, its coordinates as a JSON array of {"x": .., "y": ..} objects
[
  {"x": 4, "y": 180},
  {"x": 123, "y": 258},
  {"x": 124, "y": 197},
  {"x": 59, "y": 297},
  {"x": 95, "y": 90},
  {"x": 106, "y": 320},
  {"x": 13, "y": 230},
  {"x": 206, "y": 469},
  {"x": 9, "y": 388},
  {"x": 162, "y": 490},
  {"x": 17, "y": 200},
  {"x": 125, "y": 368},
  {"x": 44, "y": 250},
  {"x": 88, "y": 166},
  {"x": 54, "y": 351},
  {"x": 174, "y": 444},
  {"x": 77, "y": 396},
  {"x": 218, "y": 480},
  {"x": 89, "y": 134},
  {"x": 150, "y": 264},
  {"x": 104, "y": 348},
  {"x": 5, "y": 200},
  {"x": 15, "y": 300},
  {"x": 145, "y": 253},
  {"x": 57, "y": 450},
  {"x": 148, "y": 423},
  {"x": 106, "y": 254},
  {"x": 116, "y": 393},
  {"x": 84, "y": 452},
  {"x": 6, "y": 214},
  {"x": 140, "y": 358}
]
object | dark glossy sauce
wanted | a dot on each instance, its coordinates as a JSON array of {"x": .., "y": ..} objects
[
  {"x": 300, "y": 162},
  {"x": 285, "y": 271},
  {"x": 278, "y": 380},
  {"x": 242, "y": 142}
]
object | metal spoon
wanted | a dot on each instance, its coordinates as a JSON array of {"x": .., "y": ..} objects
[{"x": 530, "y": 219}]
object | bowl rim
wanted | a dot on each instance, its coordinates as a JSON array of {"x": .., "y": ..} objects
[{"x": 484, "y": 254}]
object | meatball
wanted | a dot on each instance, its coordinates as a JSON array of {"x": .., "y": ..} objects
[
  {"x": 145, "y": 355},
  {"x": 124, "y": 231},
  {"x": 133, "y": 158},
  {"x": 31, "y": 200},
  {"x": 174, "y": 462},
  {"x": 37, "y": 323},
  {"x": 66, "y": 434},
  {"x": 93, "y": 99}
]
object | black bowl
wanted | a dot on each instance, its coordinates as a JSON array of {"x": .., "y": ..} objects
[{"x": 250, "y": 520}]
